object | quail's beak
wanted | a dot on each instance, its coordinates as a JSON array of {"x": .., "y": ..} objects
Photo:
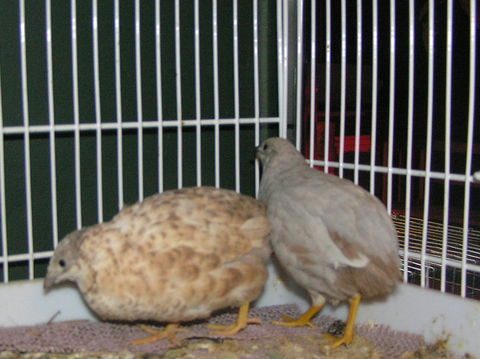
[{"x": 48, "y": 282}]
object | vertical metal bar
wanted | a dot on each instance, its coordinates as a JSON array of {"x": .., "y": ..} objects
[
  {"x": 76, "y": 114},
  {"x": 285, "y": 64},
  {"x": 178, "y": 70},
  {"x": 328, "y": 57},
  {"x": 391, "y": 106},
  {"x": 26, "y": 137},
  {"x": 236, "y": 95},
  {"x": 373, "y": 148},
  {"x": 51, "y": 122},
  {"x": 3, "y": 206},
  {"x": 411, "y": 68},
  {"x": 448, "y": 115},
  {"x": 343, "y": 81},
  {"x": 198, "y": 109},
  {"x": 280, "y": 66},
  {"x": 138, "y": 74},
  {"x": 313, "y": 59},
  {"x": 98, "y": 110},
  {"x": 256, "y": 90},
  {"x": 358, "y": 104},
  {"x": 118, "y": 103},
  {"x": 215, "y": 94},
  {"x": 299, "y": 73},
  {"x": 428, "y": 154},
  {"x": 158, "y": 76},
  {"x": 468, "y": 160}
]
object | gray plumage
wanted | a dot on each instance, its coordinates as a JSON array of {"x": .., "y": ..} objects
[{"x": 333, "y": 237}]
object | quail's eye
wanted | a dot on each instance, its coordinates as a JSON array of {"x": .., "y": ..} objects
[
  {"x": 62, "y": 263},
  {"x": 265, "y": 147}
]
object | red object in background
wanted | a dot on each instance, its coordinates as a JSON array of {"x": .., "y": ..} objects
[
  {"x": 334, "y": 139},
  {"x": 365, "y": 143}
]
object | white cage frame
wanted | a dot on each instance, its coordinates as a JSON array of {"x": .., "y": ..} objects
[{"x": 290, "y": 53}]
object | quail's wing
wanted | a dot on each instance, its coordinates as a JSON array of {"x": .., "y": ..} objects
[
  {"x": 356, "y": 216},
  {"x": 336, "y": 222}
]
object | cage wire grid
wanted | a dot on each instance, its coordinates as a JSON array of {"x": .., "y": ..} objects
[
  {"x": 353, "y": 51},
  {"x": 433, "y": 250},
  {"x": 78, "y": 128}
]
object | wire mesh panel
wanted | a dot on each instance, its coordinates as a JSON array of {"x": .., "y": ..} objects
[
  {"x": 106, "y": 102},
  {"x": 386, "y": 97}
]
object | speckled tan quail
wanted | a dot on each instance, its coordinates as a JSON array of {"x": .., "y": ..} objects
[{"x": 175, "y": 257}]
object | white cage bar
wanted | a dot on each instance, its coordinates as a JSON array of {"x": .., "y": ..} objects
[
  {"x": 158, "y": 83},
  {"x": 468, "y": 160},
  {"x": 26, "y": 138},
  {"x": 138, "y": 83},
  {"x": 236, "y": 95},
  {"x": 198, "y": 111},
  {"x": 313, "y": 60},
  {"x": 328, "y": 60},
  {"x": 216, "y": 93},
  {"x": 118, "y": 103},
  {"x": 408, "y": 182},
  {"x": 358, "y": 91},
  {"x": 2, "y": 194},
  {"x": 256, "y": 90},
  {"x": 98, "y": 111},
  {"x": 448, "y": 104},
  {"x": 373, "y": 147},
  {"x": 299, "y": 69},
  {"x": 51, "y": 121},
  {"x": 76, "y": 114},
  {"x": 178, "y": 76},
  {"x": 428, "y": 157},
  {"x": 343, "y": 80},
  {"x": 391, "y": 105}
]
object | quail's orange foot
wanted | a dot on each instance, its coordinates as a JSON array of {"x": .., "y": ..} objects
[
  {"x": 169, "y": 333},
  {"x": 348, "y": 334},
  {"x": 303, "y": 321},
  {"x": 242, "y": 321}
]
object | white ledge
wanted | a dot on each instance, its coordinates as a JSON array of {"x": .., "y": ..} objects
[{"x": 410, "y": 308}]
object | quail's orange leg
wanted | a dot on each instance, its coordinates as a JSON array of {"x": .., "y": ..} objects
[
  {"x": 242, "y": 321},
  {"x": 347, "y": 337},
  {"x": 303, "y": 320},
  {"x": 169, "y": 333}
]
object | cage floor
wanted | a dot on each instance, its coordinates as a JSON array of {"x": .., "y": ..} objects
[{"x": 82, "y": 339}]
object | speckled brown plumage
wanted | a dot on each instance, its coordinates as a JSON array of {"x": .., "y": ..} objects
[{"x": 176, "y": 256}]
